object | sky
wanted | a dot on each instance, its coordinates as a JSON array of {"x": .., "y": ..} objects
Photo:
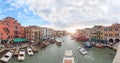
[{"x": 62, "y": 14}]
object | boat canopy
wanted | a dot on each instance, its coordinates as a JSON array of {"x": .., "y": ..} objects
[{"x": 19, "y": 40}]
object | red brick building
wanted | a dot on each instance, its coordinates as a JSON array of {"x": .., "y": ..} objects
[{"x": 10, "y": 29}]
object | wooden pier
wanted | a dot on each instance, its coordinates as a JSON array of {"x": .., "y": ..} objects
[
  {"x": 16, "y": 51},
  {"x": 2, "y": 50}
]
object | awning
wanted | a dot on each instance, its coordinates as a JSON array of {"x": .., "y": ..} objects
[
  {"x": 19, "y": 39},
  {"x": 4, "y": 40},
  {"x": 93, "y": 39}
]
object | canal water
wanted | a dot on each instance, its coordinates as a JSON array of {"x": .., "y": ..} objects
[{"x": 54, "y": 54}]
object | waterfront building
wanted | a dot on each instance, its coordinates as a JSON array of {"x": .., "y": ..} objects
[
  {"x": 61, "y": 32},
  {"x": 86, "y": 32},
  {"x": 47, "y": 33},
  {"x": 44, "y": 33},
  {"x": 10, "y": 29},
  {"x": 81, "y": 34},
  {"x": 97, "y": 33},
  {"x": 33, "y": 33},
  {"x": 112, "y": 33}
]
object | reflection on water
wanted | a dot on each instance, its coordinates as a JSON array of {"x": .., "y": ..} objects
[{"x": 54, "y": 54}]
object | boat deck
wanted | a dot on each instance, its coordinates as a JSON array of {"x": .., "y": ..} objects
[{"x": 68, "y": 61}]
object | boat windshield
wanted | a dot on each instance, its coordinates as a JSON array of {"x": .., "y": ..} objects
[
  {"x": 30, "y": 51},
  {"x": 22, "y": 50},
  {"x": 83, "y": 50},
  {"x": 6, "y": 56},
  {"x": 69, "y": 56},
  {"x": 21, "y": 55}
]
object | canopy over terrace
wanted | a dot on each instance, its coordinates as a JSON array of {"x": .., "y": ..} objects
[
  {"x": 98, "y": 40},
  {"x": 16, "y": 40}
]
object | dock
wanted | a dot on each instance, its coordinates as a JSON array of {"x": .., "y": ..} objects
[
  {"x": 46, "y": 43},
  {"x": 2, "y": 50},
  {"x": 16, "y": 51},
  {"x": 33, "y": 48}
]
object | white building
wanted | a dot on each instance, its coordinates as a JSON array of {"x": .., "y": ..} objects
[{"x": 47, "y": 33}]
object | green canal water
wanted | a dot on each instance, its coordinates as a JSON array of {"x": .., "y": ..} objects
[{"x": 54, "y": 54}]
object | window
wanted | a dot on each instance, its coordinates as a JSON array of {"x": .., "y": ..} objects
[
  {"x": 106, "y": 29},
  {"x": 110, "y": 29},
  {"x": 110, "y": 35},
  {"x": 1, "y": 33},
  {"x": 106, "y": 34},
  {"x": 116, "y": 29},
  {"x": 116, "y": 34},
  {"x": 8, "y": 24}
]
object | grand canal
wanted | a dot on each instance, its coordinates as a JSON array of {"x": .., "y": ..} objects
[{"x": 54, "y": 54}]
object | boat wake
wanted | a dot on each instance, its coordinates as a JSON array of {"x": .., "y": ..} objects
[{"x": 89, "y": 57}]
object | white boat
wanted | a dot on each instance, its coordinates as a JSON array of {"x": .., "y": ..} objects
[
  {"x": 68, "y": 58},
  {"x": 7, "y": 56},
  {"x": 29, "y": 51},
  {"x": 21, "y": 55},
  {"x": 82, "y": 50}
]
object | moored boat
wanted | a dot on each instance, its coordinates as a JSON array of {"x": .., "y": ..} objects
[
  {"x": 87, "y": 44},
  {"x": 7, "y": 56},
  {"x": 21, "y": 55},
  {"x": 68, "y": 58},
  {"x": 58, "y": 42},
  {"x": 29, "y": 51},
  {"x": 100, "y": 45},
  {"x": 82, "y": 50}
]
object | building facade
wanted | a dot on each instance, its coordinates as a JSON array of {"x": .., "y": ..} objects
[
  {"x": 47, "y": 33},
  {"x": 112, "y": 33},
  {"x": 61, "y": 32},
  {"x": 86, "y": 32},
  {"x": 97, "y": 32},
  {"x": 33, "y": 33},
  {"x": 10, "y": 29}
]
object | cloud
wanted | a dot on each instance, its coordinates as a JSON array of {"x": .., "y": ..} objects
[{"x": 65, "y": 14}]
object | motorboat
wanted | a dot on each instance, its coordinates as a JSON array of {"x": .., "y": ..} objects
[
  {"x": 29, "y": 51},
  {"x": 82, "y": 50},
  {"x": 7, "y": 56},
  {"x": 68, "y": 58},
  {"x": 87, "y": 44},
  {"x": 21, "y": 55}
]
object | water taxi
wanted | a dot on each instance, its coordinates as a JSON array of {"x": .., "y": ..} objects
[
  {"x": 68, "y": 57},
  {"x": 7, "y": 56},
  {"x": 29, "y": 51},
  {"x": 21, "y": 55},
  {"x": 82, "y": 50},
  {"x": 87, "y": 44}
]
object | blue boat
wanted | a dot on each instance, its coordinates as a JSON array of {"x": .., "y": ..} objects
[{"x": 87, "y": 45}]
